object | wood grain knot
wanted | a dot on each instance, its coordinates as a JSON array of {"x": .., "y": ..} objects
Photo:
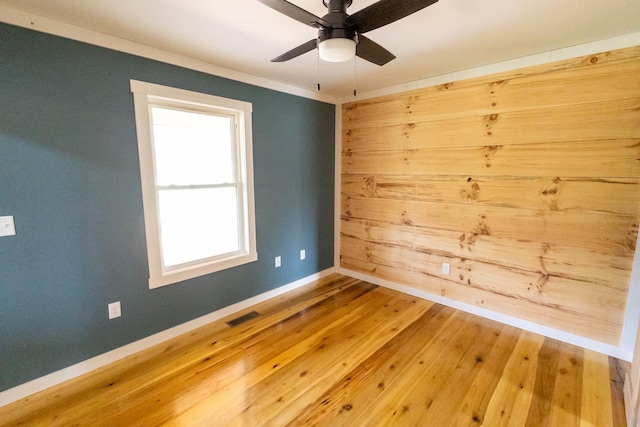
[
  {"x": 369, "y": 185},
  {"x": 470, "y": 193}
]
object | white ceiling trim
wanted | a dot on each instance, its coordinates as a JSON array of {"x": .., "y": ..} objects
[{"x": 57, "y": 28}]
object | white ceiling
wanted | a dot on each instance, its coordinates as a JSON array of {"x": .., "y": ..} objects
[{"x": 451, "y": 35}]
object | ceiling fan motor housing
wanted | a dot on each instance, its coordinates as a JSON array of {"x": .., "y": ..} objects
[{"x": 336, "y": 17}]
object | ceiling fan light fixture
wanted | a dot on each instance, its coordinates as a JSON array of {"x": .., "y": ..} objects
[{"x": 337, "y": 50}]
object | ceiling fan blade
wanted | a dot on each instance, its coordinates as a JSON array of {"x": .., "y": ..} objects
[
  {"x": 295, "y": 12},
  {"x": 384, "y": 12},
  {"x": 372, "y": 51},
  {"x": 297, "y": 51}
]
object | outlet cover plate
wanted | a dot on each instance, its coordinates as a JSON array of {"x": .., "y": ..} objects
[
  {"x": 446, "y": 268},
  {"x": 114, "y": 310},
  {"x": 7, "y": 226}
]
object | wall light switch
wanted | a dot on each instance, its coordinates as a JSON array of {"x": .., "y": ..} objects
[
  {"x": 278, "y": 261},
  {"x": 7, "y": 226},
  {"x": 114, "y": 310},
  {"x": 303, "y": 254}
]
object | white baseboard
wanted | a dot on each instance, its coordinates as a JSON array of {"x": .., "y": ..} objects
[
  {"x": 526, "y": 325},
  {"x": 58, "y": 377}
]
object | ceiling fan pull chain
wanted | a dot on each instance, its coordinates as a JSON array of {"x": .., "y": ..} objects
[
  {"x": 318, "y": 79},
  {"x": 355, "y": 92}
]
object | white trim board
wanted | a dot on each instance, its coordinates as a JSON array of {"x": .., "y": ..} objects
[
  {"x": 632, "y": 312},
  {"x": 39, "y": 384},
  {"x": 337, "y": 186},
  {"x": 526, "y": 325}
]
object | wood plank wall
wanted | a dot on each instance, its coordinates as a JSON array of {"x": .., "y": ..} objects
[{"x": 526, "y": 182}]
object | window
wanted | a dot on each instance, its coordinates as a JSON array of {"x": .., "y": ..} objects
[{"x": 197, "y": 181}]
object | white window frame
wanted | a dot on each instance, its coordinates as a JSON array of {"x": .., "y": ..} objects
[{"x": 147, "y": 94}]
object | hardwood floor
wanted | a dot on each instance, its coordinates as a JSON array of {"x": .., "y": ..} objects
[{"x": 342, "y": 352}]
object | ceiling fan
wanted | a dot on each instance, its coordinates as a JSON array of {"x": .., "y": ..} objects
[{"x": 340, "y": 34}]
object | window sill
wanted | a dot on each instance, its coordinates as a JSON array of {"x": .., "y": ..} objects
[{"x": 171, "y": 277}]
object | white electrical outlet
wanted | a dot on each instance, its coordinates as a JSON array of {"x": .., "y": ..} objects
[
  {"x": 446, "y": 268},
  {"x": 7, "y": 226},
  {"x": 303, "y": 254},
  {"x": 114, "y": 310},
  {"x": 278, "y": 261}
]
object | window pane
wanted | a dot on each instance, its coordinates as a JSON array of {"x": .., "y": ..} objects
[
  {"x": 192, "y": 148},
  {"x": 197, "y": 224}
]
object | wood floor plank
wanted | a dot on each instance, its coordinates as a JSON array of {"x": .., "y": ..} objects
[
  {"x": 473, "y": 407},
  {"x": 566, "y": 402},
  {"x": 349, "y": 352},
  {"x": 596, "y": 391},
  {"x": 231, "y": 365},
  {"x": 342, "y": 352},
  {"x": 232, "y": 401},
  {"x": 429, "y": 372},
  {"x": 545, "y": 382},
  {"x": 355, "y": 392},
  {"x": 514, "y": 391},
  {"x": 442, "y": 398}
]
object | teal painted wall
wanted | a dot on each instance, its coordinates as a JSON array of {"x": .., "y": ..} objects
[{"x": 69, "y": 174}]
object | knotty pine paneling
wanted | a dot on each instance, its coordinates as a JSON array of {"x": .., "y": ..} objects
[
  {"x": 516, "y": 192},
  {"x": 598, "y": 231},
  {"x": 618, "y": 119},
  {"x": 479, "y": 95},
  {"x": 587, "y": 264},
  {"x": 597, "y": 159},
  {"x": 526, "y": 182}
]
